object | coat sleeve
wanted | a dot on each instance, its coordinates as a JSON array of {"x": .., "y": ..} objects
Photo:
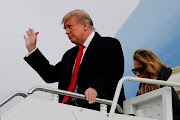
[{"x": 40, "y": 64}]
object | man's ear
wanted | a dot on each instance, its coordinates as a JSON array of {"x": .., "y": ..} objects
[{"x": 86, "y": 26}]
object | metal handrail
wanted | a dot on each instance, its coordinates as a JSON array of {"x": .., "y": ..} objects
[
  {"x": 142, "y": 80},
  {"x": 22, "y": 94},
  {"x": 103, "y": 101},
  {"x": 72, "y": 94}
]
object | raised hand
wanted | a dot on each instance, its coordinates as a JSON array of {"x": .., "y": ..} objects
[
  {"x": 31, "y": 39},
  {"x": 91, "y": 95}
]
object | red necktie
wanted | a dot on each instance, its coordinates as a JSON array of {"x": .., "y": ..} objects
[{"x": 74, "y": 74}]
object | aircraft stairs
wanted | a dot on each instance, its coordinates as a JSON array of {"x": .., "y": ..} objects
[{"x": 154, "y": 105}]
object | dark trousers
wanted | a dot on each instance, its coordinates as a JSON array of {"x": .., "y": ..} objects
[{"x": 84, "y": 104}]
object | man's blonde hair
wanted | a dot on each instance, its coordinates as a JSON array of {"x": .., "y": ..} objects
[{"x": 81, "y": 16}]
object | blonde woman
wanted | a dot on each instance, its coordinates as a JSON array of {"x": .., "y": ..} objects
[{"x": 148, "y": 65}]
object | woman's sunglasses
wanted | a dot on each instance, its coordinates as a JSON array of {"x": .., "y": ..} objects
[{"x": 140, "y": 70}]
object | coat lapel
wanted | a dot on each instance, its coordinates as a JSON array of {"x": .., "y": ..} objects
[{"x": 92, "y": 47}]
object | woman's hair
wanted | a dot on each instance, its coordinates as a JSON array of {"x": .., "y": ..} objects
[{"x": 152, "y": 64}]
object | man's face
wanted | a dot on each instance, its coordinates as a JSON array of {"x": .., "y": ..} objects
[{"x": 74, "y": 30}]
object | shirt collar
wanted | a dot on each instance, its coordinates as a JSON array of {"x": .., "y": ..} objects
[{"x": 89, "y": 39}]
